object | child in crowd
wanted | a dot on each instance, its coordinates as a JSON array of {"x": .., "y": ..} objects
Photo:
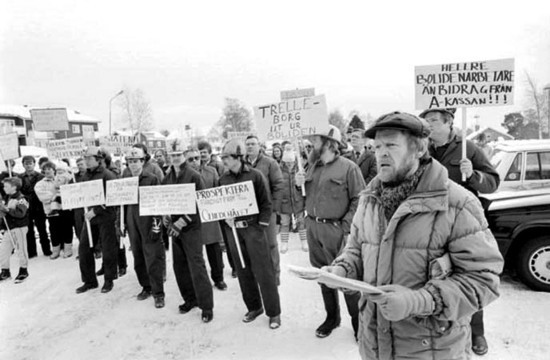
[{"x": 14, "y": 219}]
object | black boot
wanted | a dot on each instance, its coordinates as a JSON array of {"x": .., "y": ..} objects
[
  {"x": 330, "y": 298},
  {"x": 5, "y": 274},
  {"x": 23, "y": 274}
]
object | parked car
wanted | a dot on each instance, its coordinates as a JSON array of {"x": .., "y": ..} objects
[
  {"x": 520, "y": 222},
  {"x": 522, "y": 164}
]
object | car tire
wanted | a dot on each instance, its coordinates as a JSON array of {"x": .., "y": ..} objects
[{"x": 533, "y": 264}]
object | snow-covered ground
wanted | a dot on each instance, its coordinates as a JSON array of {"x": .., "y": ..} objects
[{"x": 43, "y": 318}]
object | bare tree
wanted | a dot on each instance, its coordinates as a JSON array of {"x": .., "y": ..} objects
[
  {"x": 236, "y": 117},
  {"x": 536, "y": 100},
  {"x": 137, "y": 111}
]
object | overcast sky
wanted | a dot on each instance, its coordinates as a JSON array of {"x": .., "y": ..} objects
[{"x": 188, "y": 58}]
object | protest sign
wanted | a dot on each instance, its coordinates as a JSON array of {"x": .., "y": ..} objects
[
  {"x": 292, "y": 118},
  {"x": 82, "y": 194},
  {"x": 117, "y": 144},
  {"x": 227, "y": 201},
  {"x": 167, "y": 200},
  {"x": 122, "y": 191},
  {"x": 88, "y": 133},
  {"x": 9, "y": 146},
  {"x": 50, "y": 119},
  {"x": 470, "y": 84},
  {"x": 242, "y": 135},
  {"x": 2, "y": 163},
  {"x": 298, "y": 93},
  {"x": 65, "y": 148}
]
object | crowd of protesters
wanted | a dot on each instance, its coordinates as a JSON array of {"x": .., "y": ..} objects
[{"x": 380, "y": 205}]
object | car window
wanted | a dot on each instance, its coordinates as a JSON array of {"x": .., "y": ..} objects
[
  {"x": 515, "y": 169},
  {"x": 537, "y": 166}
]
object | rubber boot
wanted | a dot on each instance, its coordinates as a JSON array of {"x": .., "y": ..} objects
[
  {"x": 5, "y": 274},
  {"x": 68, "y": 251},
  {"x": 330, "y": 299},
  {"x": 56, "y": 250}
]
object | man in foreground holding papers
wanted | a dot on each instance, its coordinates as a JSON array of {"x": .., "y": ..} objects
[{"x": 424, "y": 241}]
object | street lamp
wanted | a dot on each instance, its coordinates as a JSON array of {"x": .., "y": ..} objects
[
  {"x": 547, "y": 88},
  {"x": 110, "y": 103}
]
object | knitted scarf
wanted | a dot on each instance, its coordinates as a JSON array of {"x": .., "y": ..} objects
[{"x": 393, "y": 195}]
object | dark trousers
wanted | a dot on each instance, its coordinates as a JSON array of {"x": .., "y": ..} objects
[
  {"x": 257, "y": 280},
  {"x": 109, "y": 248},
  {"x": 215, "y": 260},
  {"x": 477, "y": 324},
  {"x": 61, "y": 228},
  {"x": 325, "y": 242},
  {"x": 37, "y": 218},
  {"x": 190, "y": 269},
  {"x": 148, "y": 253}
]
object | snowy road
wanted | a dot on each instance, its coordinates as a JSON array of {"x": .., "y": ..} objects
[{"x": 43, "y": 318}]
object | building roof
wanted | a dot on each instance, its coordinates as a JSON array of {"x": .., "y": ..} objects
[
  {"x": 481, "y": 130},
  {"x": 24, "y": 112}
]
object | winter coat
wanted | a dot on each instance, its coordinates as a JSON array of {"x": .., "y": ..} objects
[
  {"x": 366, "y": 162},
  {"x": 103, "y": 213},
  {"x": 47, "y": 190},
  {"x": 27, "y": 188},
  {"x": 216, "y": 164},
  {"x": 332, "y": 190},
  {"x": 484, "y": 180},
  {"x": 273, "y": 177},
  {"x": 17, "y": 215},
  {"x": 150, "y": 167},
  {"x": 292, "y": 201},
  {"x": 263, "y": 199},
  {"x": 211, "y": 231},
  {"x": 439, "y": 220},
  {"x": 187, "y": 175}
]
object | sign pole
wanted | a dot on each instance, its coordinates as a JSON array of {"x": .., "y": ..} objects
[
  {"x": 121, "y": 226},
  {"x": 464, "y": 125},
  {"x": 88, "y": 227},
  {"x": 297, "y": 142},
  {"x": 9, "y": 169},
  {"x": 236, "y": 237}
]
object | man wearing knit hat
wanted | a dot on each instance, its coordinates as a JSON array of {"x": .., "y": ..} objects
[{"x": 481, "y": 177}]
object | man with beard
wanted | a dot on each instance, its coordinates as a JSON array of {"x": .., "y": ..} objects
[
  {"x": 424, "y": 242},
  {"x": 481, "y": 177},
  {"x": 333, "y": 184},
  {"x": 185, "y": 230}
]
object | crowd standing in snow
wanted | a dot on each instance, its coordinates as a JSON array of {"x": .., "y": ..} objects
[{"x": 388, "y": 211}]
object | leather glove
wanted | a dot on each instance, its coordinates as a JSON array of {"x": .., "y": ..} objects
[
  {"x": 173, "y": 230},
  {"x": 399, "y": 302},
  {"x": 180, "y": 223},
  {"x": 154, "y": 234}
]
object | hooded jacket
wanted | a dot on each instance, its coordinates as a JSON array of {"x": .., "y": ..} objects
[{"x": 439, "y": 220}]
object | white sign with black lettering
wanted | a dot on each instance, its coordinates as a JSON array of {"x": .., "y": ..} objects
[
  {"x": 122, "y": 191},
  {"x": 227, "y": 201},
  {"x": 82, "y": 194},
  {"x": 167, "y": 200},
  {"x": 50, "y": 119}
]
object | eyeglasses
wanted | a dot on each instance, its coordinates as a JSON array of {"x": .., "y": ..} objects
[{"x": 194, "y": 158}]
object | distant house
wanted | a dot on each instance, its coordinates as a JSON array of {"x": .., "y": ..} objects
[
  {"x": 153, "y": 140},
  {"x": 490, "y": 133},
  {"x": 18, "y": 118}
]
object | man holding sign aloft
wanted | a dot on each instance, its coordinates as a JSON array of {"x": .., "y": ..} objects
[{"x": 257, "y": 277}]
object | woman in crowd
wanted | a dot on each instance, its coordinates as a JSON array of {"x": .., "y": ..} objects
[
  {"x": 292, "y": 202},
  {"x": 60, "y": 221},
  {"x": 277, "y": 153}
]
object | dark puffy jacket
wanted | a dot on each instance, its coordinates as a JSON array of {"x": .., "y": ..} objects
[
  {"x": 27, "y": 188},
  {"x": 100, "y": 173},
  {"x": 366, "y": 162},
  {"x": 17, "y": 215},
  {"x": 292, "y": 201},
  {"x": 271, "y": 171}
]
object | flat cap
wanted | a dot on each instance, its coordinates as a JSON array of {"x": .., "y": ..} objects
[
  {"x": 450, "y": 111},
  {"x": 399, "y": 121}
]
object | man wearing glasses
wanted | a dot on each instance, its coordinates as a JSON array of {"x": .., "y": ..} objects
[
  {"x": 211, "y": 232},
  {"x": 185, "y": 230}
]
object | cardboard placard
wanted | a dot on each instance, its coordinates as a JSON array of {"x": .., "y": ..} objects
[
  {"x": 65, "y": 148},
  {"x": 117, "y": 144},
  {"x": 82, "y": 194},
  {"x": 292, "y": 118},
  {"x": 242, "y": 135},
  {"x": 9, "y": 146},
  {"x": 50, "y": 119},
  {"x": 167, "y": 200},
  {"x": 471, "y": 84},
  {"x": 298, "y": 93},
  {"x": 227, "y": 201},
  {"x": 122, "y": 191}
]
